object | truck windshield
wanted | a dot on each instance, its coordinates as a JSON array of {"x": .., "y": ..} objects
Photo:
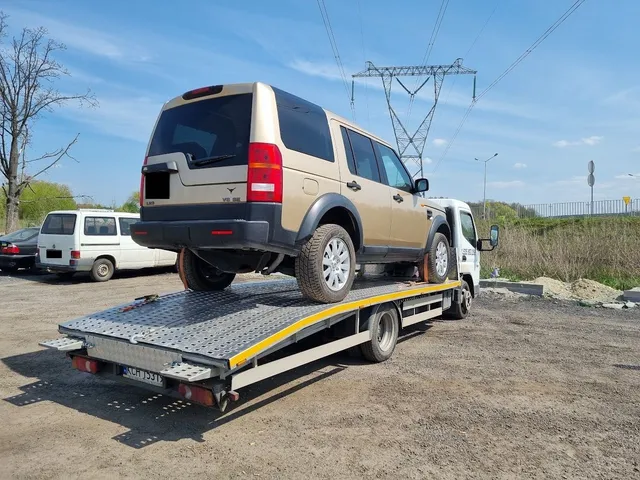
[
  {"x": 59, "y": 224},
  {"x": 215, "y": 129}
]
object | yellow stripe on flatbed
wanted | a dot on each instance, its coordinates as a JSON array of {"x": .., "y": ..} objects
[{"x": 245, "y": 355}]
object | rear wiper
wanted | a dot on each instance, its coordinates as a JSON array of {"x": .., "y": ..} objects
[{"x": 207, "y": 161}]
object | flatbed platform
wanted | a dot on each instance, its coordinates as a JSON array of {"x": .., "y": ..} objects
[{"x": 226, "y": 329}]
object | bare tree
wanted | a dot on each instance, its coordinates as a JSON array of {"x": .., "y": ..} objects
[{"x": 28, "y": 72}]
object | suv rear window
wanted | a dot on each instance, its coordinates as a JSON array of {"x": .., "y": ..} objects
[
  {"x": 205, "y": 129},
  {"x": 59, "y": 224}
]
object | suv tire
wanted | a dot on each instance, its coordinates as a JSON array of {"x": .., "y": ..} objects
[
  {"x": 329, "y": 244},
  {"x": 438, "y": 260},
  {"x": 198, "y": 275}
]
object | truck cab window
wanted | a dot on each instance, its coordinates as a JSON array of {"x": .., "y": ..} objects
[{"x": 468, "y": 229}]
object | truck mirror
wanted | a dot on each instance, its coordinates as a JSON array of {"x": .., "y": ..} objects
[
  {"x": 493, "y": 237},
  {"x": 421, "y": 185}
]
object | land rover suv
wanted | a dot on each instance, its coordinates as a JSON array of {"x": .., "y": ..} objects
[{"x": 249, "y": 178}]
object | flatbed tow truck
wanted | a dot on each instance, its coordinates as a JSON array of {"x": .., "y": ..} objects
[{"x": 205, "y": 346}]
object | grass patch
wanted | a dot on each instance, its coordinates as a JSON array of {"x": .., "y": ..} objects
[{"x": 604, "y": 249}]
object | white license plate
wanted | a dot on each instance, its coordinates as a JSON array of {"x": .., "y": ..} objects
[{"x": 143, "y": 376}]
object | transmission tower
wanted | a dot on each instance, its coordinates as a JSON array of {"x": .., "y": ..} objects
[{"x": 436, "y": 72}]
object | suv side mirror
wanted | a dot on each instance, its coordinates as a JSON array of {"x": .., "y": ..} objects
[{"x": 421, "y": 185}]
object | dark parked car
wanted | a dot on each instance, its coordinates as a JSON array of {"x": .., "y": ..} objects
[{"x": 18, "y": 249}]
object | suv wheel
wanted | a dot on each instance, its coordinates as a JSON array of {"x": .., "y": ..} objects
[
  {"x": 438, "y": 265},
  {"x": 198, "y": 275},
  {"x": 325, "y": 268}
]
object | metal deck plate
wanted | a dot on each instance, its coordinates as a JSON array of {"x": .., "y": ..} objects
[{"x": 218, "y": 325}]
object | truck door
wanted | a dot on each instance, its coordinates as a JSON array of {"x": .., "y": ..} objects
[{"x": 468, "y": 240}]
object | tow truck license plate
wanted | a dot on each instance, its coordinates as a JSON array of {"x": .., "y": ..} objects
[{"x": 143, "y": 376}]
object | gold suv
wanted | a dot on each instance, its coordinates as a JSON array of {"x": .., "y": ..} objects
[{"x": 248, "y": 178}]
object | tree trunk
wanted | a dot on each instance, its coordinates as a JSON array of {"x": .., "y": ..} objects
[{"x": 13, "y": 190}]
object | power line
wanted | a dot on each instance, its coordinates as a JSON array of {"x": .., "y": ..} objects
[
  {"x": 334, "y": 48},
  {"x": 364, "y": 56},
  {"x": 524, "y": 55},
  {"x": 432, "y": 41},
  {"x": 471, "y": 47}
]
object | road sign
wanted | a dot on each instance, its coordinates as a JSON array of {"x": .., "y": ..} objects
[
  {"x": 591, "y": 180},
  {"x": 591, "y": 166},
  {"x": 627, "y": 200}
]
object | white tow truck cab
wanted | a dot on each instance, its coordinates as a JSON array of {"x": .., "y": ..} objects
[
  {"x": 97, "y": 241},
  {"x": 205, "y": 346}
]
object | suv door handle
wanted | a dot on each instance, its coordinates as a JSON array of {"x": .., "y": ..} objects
[
  {"x": 355, "y": 186},
  {"x": 398, "y": 198}
]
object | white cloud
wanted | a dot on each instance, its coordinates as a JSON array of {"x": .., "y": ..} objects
[
  {"x": 637, "y": 149},
  {"x": 439, "y": 142},
  {"x": 507, "y": 184},
  {"x": 629, "y": 176},
  {"x": 593, "y": 140},
  {"x": 519, "y": 165}
]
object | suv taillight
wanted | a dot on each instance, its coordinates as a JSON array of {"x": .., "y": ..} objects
[
  {"x": 142, "y": 182},
  {"x": 10, "y": 250},
  {"x": 264, "y": 179}
]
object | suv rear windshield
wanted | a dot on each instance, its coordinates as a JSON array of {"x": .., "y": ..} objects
[
  {"x": 207, "y": 129},
  {"x": 59, "y": 224}
]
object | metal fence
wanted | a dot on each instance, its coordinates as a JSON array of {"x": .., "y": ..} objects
[{"x": 559, "y": 210}]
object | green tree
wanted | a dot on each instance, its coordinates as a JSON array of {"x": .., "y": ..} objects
[
  {"x": 41, "y": 197},
  {"x": 132, "y": 205}
]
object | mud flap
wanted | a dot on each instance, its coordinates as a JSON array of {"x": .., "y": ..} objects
[
  {"x": 181, "y": 269},
  {"x": 423, "y": 269}
]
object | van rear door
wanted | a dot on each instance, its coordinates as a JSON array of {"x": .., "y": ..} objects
[
  {"x": 57, "y": 238},
  {"x": 199, "y": 152}
]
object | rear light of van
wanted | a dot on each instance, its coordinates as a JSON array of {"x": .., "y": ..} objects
[
  {"x": 264, "y": 178},
  {"x": 142, "y": 182},
  {"x": 75, "y": 254}
]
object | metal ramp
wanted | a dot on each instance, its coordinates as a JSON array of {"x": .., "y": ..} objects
[{"x": 229, "y": 327}]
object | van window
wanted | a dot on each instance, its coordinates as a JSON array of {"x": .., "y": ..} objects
[
  {"x": 468, "y": 230},
  {"x": 397, "y": 176},
  {"x": 59, "y": 224},
  {"x": 125, "y": 225},
  {"x": 100, "y": 226},
  {"x": 206, "y": 128},
  {"x": 366, "y": 164},
  {"x": 303, "y": 126}
]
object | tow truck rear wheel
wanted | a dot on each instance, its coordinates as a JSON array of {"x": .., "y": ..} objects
[
  {"x": 198, "y": 275},
  {"x": 385, "y": 327}
]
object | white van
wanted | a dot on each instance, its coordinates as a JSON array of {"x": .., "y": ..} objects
[{"x": 96, "y": 241}]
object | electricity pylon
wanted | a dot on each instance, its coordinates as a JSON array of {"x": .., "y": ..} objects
[{"x": 436, "y": 72}]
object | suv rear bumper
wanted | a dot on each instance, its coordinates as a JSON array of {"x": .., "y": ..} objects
[{"x": 220, "y": 226}]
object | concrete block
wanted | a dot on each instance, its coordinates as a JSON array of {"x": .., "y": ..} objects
[
  {"x": 632, "y": 295},
  {"x": 524, "y": 288}
]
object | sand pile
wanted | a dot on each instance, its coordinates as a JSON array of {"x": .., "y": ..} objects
[{"x": 581, "y": 289}]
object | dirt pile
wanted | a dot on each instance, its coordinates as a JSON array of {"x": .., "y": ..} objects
[{"x": 581, "y": 289}]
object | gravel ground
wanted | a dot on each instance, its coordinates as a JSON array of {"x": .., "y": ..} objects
[{"x": 524, "y": 388}]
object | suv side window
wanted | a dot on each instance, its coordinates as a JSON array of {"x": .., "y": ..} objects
[
  {"x": 365, "y": 158},
  {"x": 397, "y": 176},
  {"x": 303, "y": 126},
  {"x": 100, "y": 226},
  {"x": 125, "y": 225},
  {"x": 347, "y": 147},
  {"x": 468, "y": 230}
]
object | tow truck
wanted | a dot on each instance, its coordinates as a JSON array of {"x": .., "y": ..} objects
[{"x": 206, "y": 346}]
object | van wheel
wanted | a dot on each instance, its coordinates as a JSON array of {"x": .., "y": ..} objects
[
  {"x": 384, "y": 328},
  {"x": 438, "y": 264},
  {"x": 325, "y": 268},
  {"x": 102, "y": 270},
  {"x": 198, "y": 275}
]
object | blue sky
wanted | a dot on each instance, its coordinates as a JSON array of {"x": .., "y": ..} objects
[{"x": 575, "y": 98}]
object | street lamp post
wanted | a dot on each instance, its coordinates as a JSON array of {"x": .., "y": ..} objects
[{"x": 484, "y": 201}]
